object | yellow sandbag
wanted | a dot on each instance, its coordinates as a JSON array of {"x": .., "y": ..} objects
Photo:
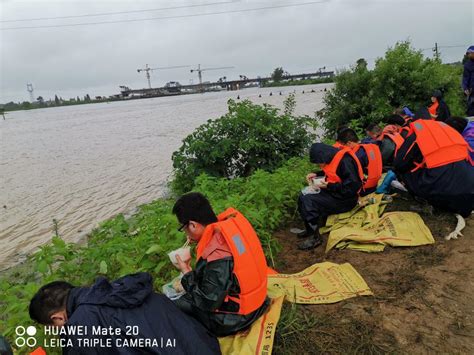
[
  {"x": 367, "y": 211},
  {"x": 320, "y": 283},
  {"x": 394, "y": 228},
  {"x": 369, "y": 247},
  {"x": 259, "y": 338}
]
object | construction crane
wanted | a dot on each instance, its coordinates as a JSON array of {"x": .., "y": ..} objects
[
  {"x": 199, "y": 70},
  {"x": 147, "y": 71}
]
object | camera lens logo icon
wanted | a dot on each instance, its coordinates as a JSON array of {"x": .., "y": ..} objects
[{"x": 25, "y": 336}]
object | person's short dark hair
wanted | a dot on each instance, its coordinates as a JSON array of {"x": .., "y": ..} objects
[
  {"x": 399, "y": 111},
  {"x": 49, "y": 299},
  {"x": 347, "y": 135},
  {"x": 395, "y": 119},
  {"x": 194, "y": 206},
  {"x": 438, "y": 94},
  {"x": 458, "y": 123},
  {"x": 373, "y": 128}
]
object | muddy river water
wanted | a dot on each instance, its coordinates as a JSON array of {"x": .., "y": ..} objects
[{"x": 83, "y": 164}]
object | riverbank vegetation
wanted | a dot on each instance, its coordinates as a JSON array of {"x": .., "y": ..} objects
[
  {"x": 403, "y": 77},
  {"x": 252, "y": 158},
  {"x": 40, "y": 102},
  {"x": 247, "y": 138}
]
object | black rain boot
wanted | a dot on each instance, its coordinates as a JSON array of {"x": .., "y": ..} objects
[
  {"x": 309, "y": 231},
  {"x": 311, "y": 242}
]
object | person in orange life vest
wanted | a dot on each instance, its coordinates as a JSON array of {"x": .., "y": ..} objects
[
  {"x": 388, "y": 139},
  {"x": 405, "y": 113},
  {"x": 466, "y": 128},
  {"x": 227, "y": 290},
  {"x": 399, "y": 123},
  {"x": 432, "y": 164},
  {"x": 439, "y": 109},
  {"x": 339, "y": 194},
  {"x": 369, "y": 157}
]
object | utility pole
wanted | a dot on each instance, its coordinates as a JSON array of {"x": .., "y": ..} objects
[
  {"x": 29, "y": 88},
  {"x": 435, "y": 50}
]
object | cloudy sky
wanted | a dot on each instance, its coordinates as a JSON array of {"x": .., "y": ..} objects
[{"x": 97, "y": 58}]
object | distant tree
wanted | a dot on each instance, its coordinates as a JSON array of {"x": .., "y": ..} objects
[
  {"x": 56, "y": 100},
  {"x": 277, "y": 74},
  {"x": 40, "y": 100},
  {"x": 361, "y": 63},
  {"x": 25, "y": 105},
  {"x": 87, "y": 98},
  {"x": 78, "y": 99}
]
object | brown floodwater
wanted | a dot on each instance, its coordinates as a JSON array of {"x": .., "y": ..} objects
[{"x": 83, "y": 164}]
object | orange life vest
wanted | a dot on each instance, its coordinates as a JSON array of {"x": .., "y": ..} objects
[
  {"x": 433, "y": 109},
  {"x": 374, "y": 169},
  {"x": 330, "y": 170},
  {"x": 250, "y": 265},
  {"x": 439, "y": 143},
  {"x": 394, "y": 137},
  {"x": 404, "y": 131},
  {"x": 338, "y": 145}
]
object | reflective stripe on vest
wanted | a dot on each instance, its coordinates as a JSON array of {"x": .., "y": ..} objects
[
  {"x": 330, "y": 170},
  {"x": 250, "y": 265},
  {"x": 439, "y": 143},
  {"x": 374, "y": 168}
]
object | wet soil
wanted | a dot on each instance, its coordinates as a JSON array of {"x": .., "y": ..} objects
[{"x": 423, "y": 296}]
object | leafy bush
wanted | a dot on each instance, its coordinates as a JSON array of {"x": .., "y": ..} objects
[
  {"x": 402, "y": 77},
  {"x": 247, "y": 138},
  {"x": 121, "y": 246}
]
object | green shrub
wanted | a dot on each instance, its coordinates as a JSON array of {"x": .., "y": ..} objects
[
  {"x": 403, "y": 77},
  {"x": 247, "y": 138}
]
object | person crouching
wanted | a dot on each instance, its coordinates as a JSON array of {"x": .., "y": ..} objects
[{"x": 339, "y": 193}]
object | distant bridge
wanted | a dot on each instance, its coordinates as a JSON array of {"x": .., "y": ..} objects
[{"x": 206, "y": 86}]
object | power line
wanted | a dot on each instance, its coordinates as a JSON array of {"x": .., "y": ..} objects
[
  {"x": 168, "y": 17},
  {"x": 122, "y": 12},
  {"x": 431, "y": 48}
]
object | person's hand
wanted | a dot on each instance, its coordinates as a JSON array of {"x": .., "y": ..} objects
[
  {"x": 183, "y": 266},
  {"x": 323, "y": 184},
  {"x": 309, "y": 177}
]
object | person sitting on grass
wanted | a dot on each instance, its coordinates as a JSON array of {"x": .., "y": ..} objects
[
  {"x": 227, "y": 290},
  {"x": 339, "y": 193},
  {"x": 388, "y": 139},
  {"x": 369, "y": 157},
  {"x": 405, "y": 113},
  {"x": 433, "y": 165},
  {"x": 126, "y": 303},
  {"x": 439, "y": 109},
  {"x": 398, "y": 123}
]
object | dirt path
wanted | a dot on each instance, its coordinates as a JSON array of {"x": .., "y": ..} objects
[{"x": 423, "y": 303}]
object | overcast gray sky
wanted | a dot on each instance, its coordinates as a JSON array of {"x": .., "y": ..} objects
[{"x": 96, "y": 59}]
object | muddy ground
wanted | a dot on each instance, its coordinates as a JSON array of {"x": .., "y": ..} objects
[{"x": 423, "y": 299}]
